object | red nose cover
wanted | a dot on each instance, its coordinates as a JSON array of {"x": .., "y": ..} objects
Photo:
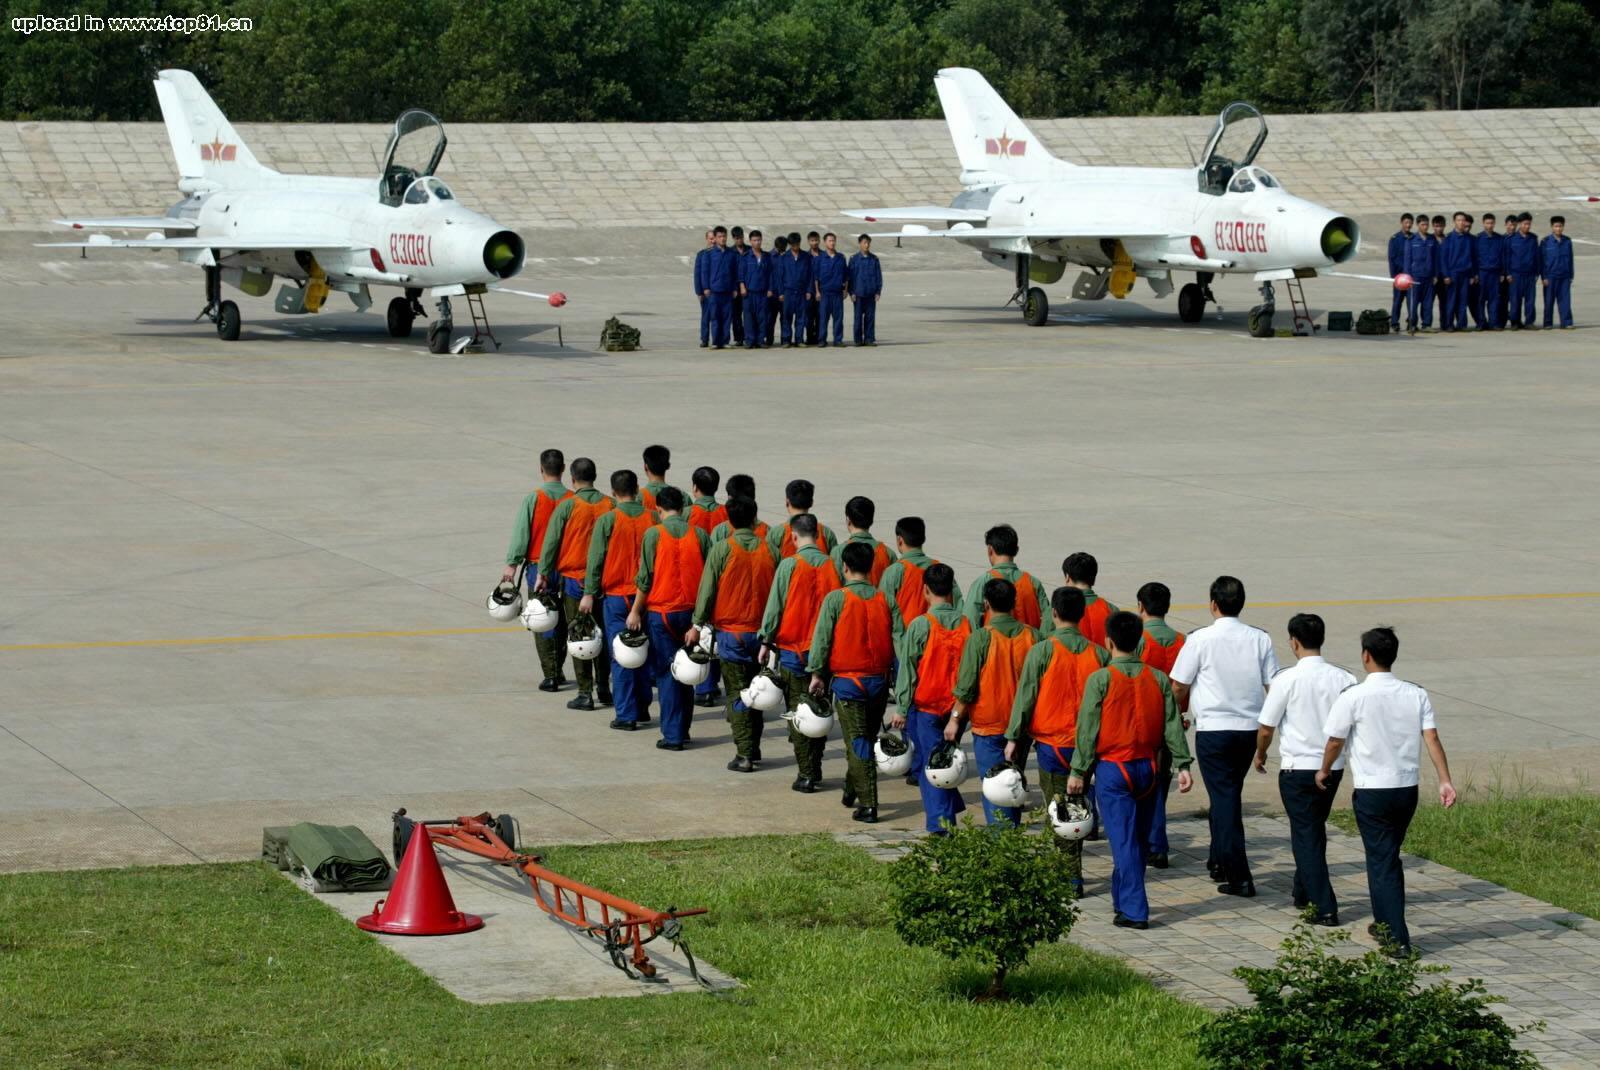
[{"x": 557, "y": 300}]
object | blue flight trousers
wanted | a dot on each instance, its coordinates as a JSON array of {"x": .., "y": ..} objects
[
  {"x": 832, "y": 312},
  {"x": 677, "y": 700},
  {"x": 1421, "y": 300},
  {"x": 940, "y": 806},
  {"x": 1126, "y": 792},
  {"x": 1524, "y": 288},
  {"x": 866, "y": 319},
  {"x": 1457, "y": 298},
  {"x": 721, "y": 317},
  {"x": 991, "y": 751},
  {"x": 1558, "y": 292},
  {"x": 630, "y": 688},
  {"x": 793, "y": 316},
  {"x": 755, "y": 321},
  {"x": 1487, "y": 298}
]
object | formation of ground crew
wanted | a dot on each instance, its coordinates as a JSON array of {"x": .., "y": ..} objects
[
  {"x": 1491, "y": 277},
  {"x": 671, "y": 594},
  {"x": 789, "y": 296}
]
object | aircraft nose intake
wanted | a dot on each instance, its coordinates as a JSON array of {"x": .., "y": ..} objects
[
  {"x": 1339, "y": 240},
  {"x": 503, "y": 254}
]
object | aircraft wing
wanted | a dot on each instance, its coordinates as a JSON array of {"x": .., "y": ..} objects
[
  {"x": 1040, "y": 235},
  {"x": 101, "y": 241},
  {"x": 919, "y": 212},
  {"x": 136, "y": 222}
]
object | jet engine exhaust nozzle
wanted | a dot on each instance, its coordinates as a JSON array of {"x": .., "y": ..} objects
[
  {"x": 1340, "y": 239},
  {"x": 503, "y": 253}
]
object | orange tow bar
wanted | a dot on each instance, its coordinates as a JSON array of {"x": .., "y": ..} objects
[{"x": 623, "y": 926}]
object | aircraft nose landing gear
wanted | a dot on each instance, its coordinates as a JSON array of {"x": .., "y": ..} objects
[
  {"x": 439, "y": 330},
  {"x": 225, "y": 314},
  {"x": 1031, "y": 299}
]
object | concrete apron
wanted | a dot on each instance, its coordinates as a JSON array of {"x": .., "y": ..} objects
[{"x": 521, "y": 953}]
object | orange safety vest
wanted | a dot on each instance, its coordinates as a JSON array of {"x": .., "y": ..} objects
[
  {"x": 910, "y": 596},
  {"x": 808, "y": 585},
  {"x": 742, "y": 588},
  {"x": 707, "y": 519},
  {"x": 863, "y": 644},
  {"x": 1027, "y": 608},
  {"x": 936, "y": 672},
  {"x": 574, "y": 559},
  {"x": 1055, "y": 713},
  {"x": 1132, "y": 717},
  {"x": 997, "y": 681},
  {"x": 1093, "y": 624},
  {"x": 880, "y": 561},
  {"x": 786, "y": 546},
  {"x": 1160, "y": 657},
  {"x": 675, "y": 580},
  {"x": 543, "y": 506},
  {"x": 621, "y": 570}
]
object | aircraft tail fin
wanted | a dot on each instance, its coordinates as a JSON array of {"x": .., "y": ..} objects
[
  {"x": 204, "y": 144},
  {"x": 990, "y": 138}
]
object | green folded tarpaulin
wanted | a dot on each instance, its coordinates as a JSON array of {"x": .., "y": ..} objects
[{"x": 338, "y": 857}]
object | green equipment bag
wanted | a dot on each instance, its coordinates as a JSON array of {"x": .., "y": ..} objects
[
  {"x": 618, "y": 337},
  {"x": 1340, "y": 321},
  {"x": 1371, "y": 321},
  {"x": 1261, "y": 322},
  {"x": 329, "y": 858}
]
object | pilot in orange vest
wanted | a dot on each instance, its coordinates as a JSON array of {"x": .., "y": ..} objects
[
  {"x": 1128, "y": 712},
  {"x": 795, "y": 602},
  {"x": 859, "y": 512},
  {"x": 527, "y": 539},
  {"x": 986, "y": 683},
  {"x": 657, "y": 459},
  {"x": 1080, "y": 570},
  {"x": 902, "y": 581},
  {"x": 930, "y": 652},
  {"x": 609, "y": 576},
  {"x": 798, "y": 497},
  {"x": 671, "y": 560},
  {"x": 851, "y": 650},
  {"x": 1159, "y": 649},
  {"x": 1033, "y": 605},
  {"x": 705, "y": 511},
  {"x": 1046, "y": 707},
  {"x": 733, "y": 593},
  {"x": 563, "y": 560}
]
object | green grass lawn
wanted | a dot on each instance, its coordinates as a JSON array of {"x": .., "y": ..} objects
[
  {"x": 1543, "y": 846},
  {"x": 230, "y": 965}
]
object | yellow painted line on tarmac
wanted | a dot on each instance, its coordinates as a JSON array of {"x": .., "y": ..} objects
[
  {"x": 235, "y": 640},
  {"x": 1442, "y": 599},
  {"x": 435, "y": 633}
]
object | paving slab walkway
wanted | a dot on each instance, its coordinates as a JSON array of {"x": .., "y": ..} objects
[{"x": 1544, "y": 960}]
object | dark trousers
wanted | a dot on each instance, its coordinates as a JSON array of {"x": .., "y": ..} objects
[
  {"x": 1396, "y": 306},
  {"x": 1384, "y": 815},
  {"x": 1558, "y": 292},
  {"x": 677, "y": 700},
  {"x": 1441, "y": 294},
  {"x": 1224, "y": 758},
  {"x": 1524, "y": 288},
  {"x": 866, "y": 318},
  {"x": 630, "y": 688},
  {"x": 721, "y": 317},
  {"x": 705, "y": 320},
  {"x": 1457, "y": 298},
  {"x": 1421, "y": 294},
  {"x": 832, "y": 313},
  {"x": 738, "y": 318},
  {"x": 1308, "y": 807},
  {"x": 940, "y": 806},
  {"x": 1126, "y": 792},
  {"x": 755, "y": 321},
  {"x": 1487, "y": 298},
  {"x": 591, "y": 675},
  {"x": 813, "y": 320},
  {"x": 793, "y": 315},
  {"x": 551, "y": 645},
  {"x": 774, "y": 307}
]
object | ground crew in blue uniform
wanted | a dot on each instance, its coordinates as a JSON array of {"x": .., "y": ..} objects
[
  {"x": 1422, "y": 263},
  {"x": 1522, "y": 264},
  {"x": 1128, "y": 712},
  {"x": 1510, "y": 228},
  {"x": 1555, "y": 267},
  {"x": 1439, "y": 285},
  {"x": 700, "y": 259},
  {"x": 832, "y": 278},
  {"x": 755, "y": 286},
  {"x": 780, "y": 249},
  {"x": 721, "y": 282},
  {"x": 813, "y": 307},
  {"x": 930, "y": 656},
  {"x": 1397, "y": 266},
  {"x": 794, "y": 285},
  {"x": 1459, "y": 269},
  {"x": 1490, "y": 252},
  {"x": 741, "y": 250},
  {"x": 865, "y": 287}
]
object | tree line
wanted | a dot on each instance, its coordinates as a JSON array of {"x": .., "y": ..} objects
[{"x": 710, "y": 60}]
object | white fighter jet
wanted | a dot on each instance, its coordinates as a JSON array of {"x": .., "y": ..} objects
[
  {"x": 1033, "y": 214},
  {"x": 245, "y": 224}
]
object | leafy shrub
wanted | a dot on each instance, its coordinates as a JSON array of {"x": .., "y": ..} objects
[
  {"x": 987, "y": 893},
  {"x": 1317, "y": 1010}
]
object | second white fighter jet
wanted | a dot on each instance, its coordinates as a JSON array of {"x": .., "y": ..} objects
[{"x": 1033, "y": 214}]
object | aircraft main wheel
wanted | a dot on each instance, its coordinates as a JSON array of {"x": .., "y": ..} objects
[
  {"x": 400, "y": 318},
  {"x": 228, "y": 321},
  {"x": 1191, "y": 303},
  {"x": 439, "y": 337},
  {"x": 1035, "y": 308}
]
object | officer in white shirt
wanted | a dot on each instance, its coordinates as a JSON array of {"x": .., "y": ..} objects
[
  {"x": 1300, "y": 699},
  {"x": 1380, "y": 724},
  {"x": 1223, "y": 671}
]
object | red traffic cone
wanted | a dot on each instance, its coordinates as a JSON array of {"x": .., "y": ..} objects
[{"x": 420, "y": 903}]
